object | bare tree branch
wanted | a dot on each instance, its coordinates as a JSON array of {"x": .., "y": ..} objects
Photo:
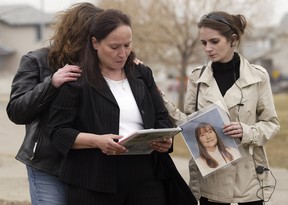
[{"x": 165, "y": 31}]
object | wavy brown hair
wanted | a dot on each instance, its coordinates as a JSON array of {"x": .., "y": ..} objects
[{"x": 71, "y": 34}]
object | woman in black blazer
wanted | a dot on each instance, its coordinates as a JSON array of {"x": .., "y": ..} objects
[{"x": 113, "y": 98}]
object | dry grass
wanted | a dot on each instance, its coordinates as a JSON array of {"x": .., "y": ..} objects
[{"x": 277, "y": 147}]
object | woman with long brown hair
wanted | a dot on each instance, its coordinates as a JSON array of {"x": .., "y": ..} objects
[{"x": 40, "y": 75}]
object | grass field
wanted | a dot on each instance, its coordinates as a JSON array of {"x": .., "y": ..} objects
[{"x": 277, "y": 147}]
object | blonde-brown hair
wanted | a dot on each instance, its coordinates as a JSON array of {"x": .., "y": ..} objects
[{"x": 71, "y": 34}]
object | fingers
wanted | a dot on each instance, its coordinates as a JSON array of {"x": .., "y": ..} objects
[
  {"x": 111, "y": 147},
  {"x": 112, "y": 153},
  {"x": 66, "y": 74},
  {"x": 137, "y": 61},
  {"x": 234, "y": 129},
  {"x": 162, "y": 146},
  {"x": 71, "y": 68},
  {"x": 71, "y": 71}
]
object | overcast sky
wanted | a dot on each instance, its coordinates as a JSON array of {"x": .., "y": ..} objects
[{"x": 58, "y": 5}]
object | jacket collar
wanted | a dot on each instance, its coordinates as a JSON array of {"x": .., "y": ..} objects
[{"x": 248, "y": 74}]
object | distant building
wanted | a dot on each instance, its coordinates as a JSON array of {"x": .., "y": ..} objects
[
  {"x": 284, "y": 22},
  {"x": 22, "y": 29},
  {"x": 267, "y": 47}
]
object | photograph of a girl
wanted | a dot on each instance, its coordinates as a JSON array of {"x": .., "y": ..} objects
[
  {"x": 213, "y": 153},
  {"x": 209, "y": 146}
]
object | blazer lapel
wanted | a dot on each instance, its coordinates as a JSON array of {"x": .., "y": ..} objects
[
  {"x": 106, "y": 92},
  {"x": 137, "y": 84},
  {"x": 211, "y": 93}
]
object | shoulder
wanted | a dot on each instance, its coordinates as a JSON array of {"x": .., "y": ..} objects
[
  {"x": 39, "y": 53},
  {"x": 235, "y": 152},
  {"x": 34, "y": 60},
  {"x": 143, "y": 69},
  {"x": 258, "y": 68},
  {"x": 198, "y": 69},
  {"x": 74, "y": 88},
  {"x": 202, "y": 166},
  {"x": 196, "y": 72},
  {"x": 255, "y": 70},
  {"x": 260, "y": 71},
  {"x": 39, "y": 56}
]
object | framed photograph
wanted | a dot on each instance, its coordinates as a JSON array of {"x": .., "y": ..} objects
[
  {"x": 209, "y": 146},
  {"x": 139, "y": 141}
]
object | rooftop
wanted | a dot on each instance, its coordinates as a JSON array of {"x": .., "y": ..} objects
[{"x": 19, "y": 15}]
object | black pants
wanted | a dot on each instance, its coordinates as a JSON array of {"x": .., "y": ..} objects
[
  {"x": 137, "y": 184},
  {"x": 204, "y": 201},
  {"x": 148, "y": 193}
]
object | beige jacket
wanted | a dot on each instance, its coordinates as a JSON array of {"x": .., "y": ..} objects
[{"x": 238, "y": 182}]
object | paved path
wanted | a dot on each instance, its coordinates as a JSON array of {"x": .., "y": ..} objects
[{"x": 13, "y": 180}]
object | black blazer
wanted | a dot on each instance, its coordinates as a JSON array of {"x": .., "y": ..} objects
[{"x": 82, "y": 108}]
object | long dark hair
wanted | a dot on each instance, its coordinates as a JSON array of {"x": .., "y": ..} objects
[
  {"x": 211, "y": 162},
  {"x": 102, "y": 25}
]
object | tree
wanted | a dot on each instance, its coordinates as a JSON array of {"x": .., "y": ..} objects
[{"x": 165, "y": 31}]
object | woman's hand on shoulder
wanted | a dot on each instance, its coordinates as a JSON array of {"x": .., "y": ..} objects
[
  {"x": 66, "y": 74},
  {"x": 137, "y": 61}
]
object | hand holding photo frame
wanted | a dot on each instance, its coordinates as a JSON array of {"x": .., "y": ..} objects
[{"x": 211, "y": 149}]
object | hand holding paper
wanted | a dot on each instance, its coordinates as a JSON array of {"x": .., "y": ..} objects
[
  {"x": 163, "y": 145},
  {"x": 140, "y": 141}
]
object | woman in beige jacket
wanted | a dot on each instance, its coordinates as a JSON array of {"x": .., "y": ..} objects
[{"x": 243, "y": 90}]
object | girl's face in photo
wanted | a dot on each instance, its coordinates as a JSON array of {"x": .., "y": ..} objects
[
  {"x": 216, "y": 46},
  {"x": 208, "y": 138}
]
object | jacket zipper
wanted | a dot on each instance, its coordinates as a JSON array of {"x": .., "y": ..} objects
[{"x": 34, "y": 150}]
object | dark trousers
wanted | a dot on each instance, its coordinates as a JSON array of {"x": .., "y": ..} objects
[
  {"x": 148, "y": 193},
  {"x": 137, "y": 184},
  {"x": 205, "y": 201}
]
